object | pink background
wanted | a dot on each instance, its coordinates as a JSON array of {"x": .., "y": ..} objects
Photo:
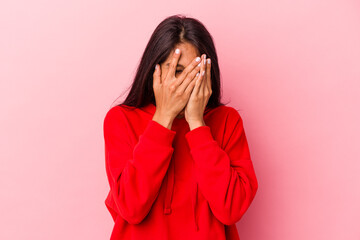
[{"x": 291, "y": 67}]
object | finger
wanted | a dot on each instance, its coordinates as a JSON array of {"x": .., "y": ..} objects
[
  {"x": 197, "y": 85},
  {"x": 173, "y": 64},
  {"x": 189, "y": 78},
  {"x": 188, "y": 70},
  {"x": 208, "y": 73},
  {"x": 191, "y": 86},
  {"x": 198, "y": 80},
  {"x": 157, "y": 76},
  {"x": 202, "y": 75}
]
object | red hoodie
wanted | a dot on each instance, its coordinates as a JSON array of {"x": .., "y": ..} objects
[{"x": 177, "y": 184}]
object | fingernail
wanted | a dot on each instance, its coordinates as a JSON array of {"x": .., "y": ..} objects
[
  {"x": 203, "y": 73},
  {"x": 197, "y": 74},
  {"x": 199, "y": 64},
  {"x": 155, "y": 66},
  {"x": 198, "y": 59},
  {"x": 177, "y": 51},
  {"x": 209, "y": 61},
  {"x": 204, "y": 59}
]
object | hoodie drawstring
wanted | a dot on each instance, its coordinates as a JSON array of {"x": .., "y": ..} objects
[{"x": 170, "y": 179}]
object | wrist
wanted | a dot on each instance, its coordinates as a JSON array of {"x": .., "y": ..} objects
[
  {"x": 164, "y": 120},
  {"x": 196, "y": 124}
]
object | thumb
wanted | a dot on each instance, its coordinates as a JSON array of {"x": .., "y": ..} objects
[{"x": 156, "y": 75}]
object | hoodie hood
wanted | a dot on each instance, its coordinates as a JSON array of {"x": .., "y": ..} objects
[{"x": 170, "y": 177}]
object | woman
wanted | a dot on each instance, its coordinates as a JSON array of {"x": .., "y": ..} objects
[{"x": 177, "y": 159}]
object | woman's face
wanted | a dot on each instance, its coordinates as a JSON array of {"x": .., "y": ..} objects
[{"x": 188, "y": 53}]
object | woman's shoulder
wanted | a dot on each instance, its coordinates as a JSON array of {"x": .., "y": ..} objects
[
  {"x": 228, "y": 112},
  {"x": 116, "y": 112},
  {"x": 119, "y": 109},
  {"x": 127, "y": 114}
]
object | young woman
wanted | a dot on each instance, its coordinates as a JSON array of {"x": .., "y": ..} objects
[{"x": 177, "y": 159}]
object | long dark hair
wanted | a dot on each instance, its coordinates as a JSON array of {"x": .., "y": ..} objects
[{"x": 171, "y": 31}]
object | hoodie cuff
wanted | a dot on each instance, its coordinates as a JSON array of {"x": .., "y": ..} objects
[
  {"x": 158, "y": 133},
  {"x": 199, "y": 136}
]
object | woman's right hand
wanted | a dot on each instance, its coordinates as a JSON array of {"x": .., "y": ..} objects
[{"x": 172, "y": 94}]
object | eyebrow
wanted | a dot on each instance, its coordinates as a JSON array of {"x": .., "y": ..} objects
[{"x": 179, "y": 65}]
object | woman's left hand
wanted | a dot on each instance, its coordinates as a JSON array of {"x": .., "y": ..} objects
[{"x": 199, "y": 97}]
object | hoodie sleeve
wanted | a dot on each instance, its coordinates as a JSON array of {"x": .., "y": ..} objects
[
  {"x": 225, "y": 176},
  {"x": 135, "y": 173}
]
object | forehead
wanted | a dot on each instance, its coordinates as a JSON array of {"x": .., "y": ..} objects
[{"x": 188, "y": 53}]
